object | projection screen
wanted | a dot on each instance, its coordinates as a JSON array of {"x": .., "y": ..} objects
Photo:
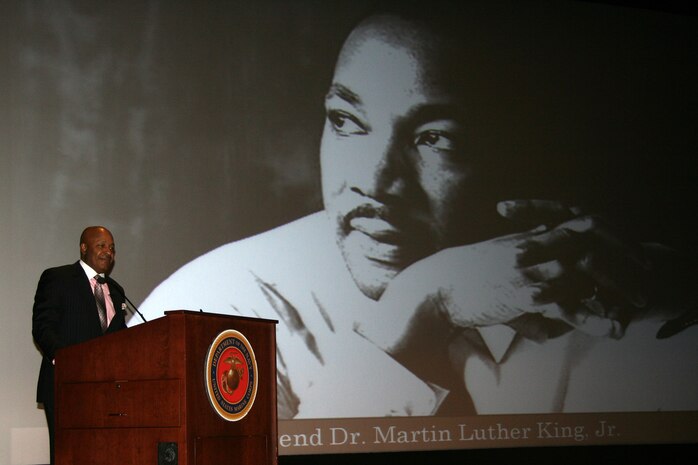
[{"x": 471, "y": 220}]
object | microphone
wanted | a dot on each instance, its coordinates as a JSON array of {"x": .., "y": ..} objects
[{"x": 102, "y": 280}]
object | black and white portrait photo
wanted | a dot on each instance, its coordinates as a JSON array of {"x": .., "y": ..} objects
[{"x": 463, "y": 263}]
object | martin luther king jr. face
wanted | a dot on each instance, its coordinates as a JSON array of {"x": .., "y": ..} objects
[{"x": 394, "y": 167}]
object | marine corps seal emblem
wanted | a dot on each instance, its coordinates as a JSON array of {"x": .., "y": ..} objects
[{"x": 231, "y": 375}]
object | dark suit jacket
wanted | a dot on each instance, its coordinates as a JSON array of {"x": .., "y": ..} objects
[{"x": 65, "y": 313}]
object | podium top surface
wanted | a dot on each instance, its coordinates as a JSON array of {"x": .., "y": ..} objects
[{"x": 222, "y": 315}]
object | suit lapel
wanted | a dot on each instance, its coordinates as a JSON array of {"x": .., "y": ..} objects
[{"x": 86, "y": 295}]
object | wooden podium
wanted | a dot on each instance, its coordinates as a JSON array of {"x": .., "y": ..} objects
[{"x": 160, "y": 393}]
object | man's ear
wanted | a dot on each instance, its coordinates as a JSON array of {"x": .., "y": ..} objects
[{"x": 83, "y": 249}]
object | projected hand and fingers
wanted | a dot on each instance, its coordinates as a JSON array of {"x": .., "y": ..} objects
[{"x": 580, "y": 263}]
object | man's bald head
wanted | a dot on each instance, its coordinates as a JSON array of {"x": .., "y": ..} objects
[{"x": 97, "y": 248}]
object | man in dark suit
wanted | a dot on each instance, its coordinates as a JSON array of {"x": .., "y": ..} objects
[{"x": 75, "y": 303}]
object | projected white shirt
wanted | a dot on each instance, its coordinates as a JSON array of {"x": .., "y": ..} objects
[{"x": 296, "y": 275}]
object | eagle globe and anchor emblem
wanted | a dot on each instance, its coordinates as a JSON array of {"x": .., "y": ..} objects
[{"x": 231, "y": 375}]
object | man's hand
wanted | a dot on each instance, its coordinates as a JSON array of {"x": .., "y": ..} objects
[{"x": 579, "y": 256}]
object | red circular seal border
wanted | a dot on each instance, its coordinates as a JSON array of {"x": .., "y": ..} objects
[{"x": 220, "y": 405}]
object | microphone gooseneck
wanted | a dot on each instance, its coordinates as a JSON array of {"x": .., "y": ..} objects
[{"x": 102, "y": 280}]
